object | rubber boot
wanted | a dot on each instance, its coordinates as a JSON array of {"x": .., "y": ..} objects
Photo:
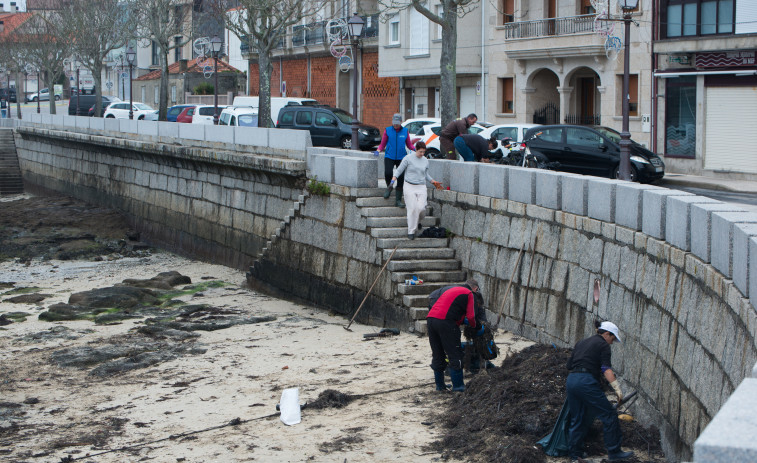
[
  {"x": 388, "y": 192},
  {"x": 439, "y": 380},
  {"x": 457, "y": 380},
  {"x": 398, "y": 201}
]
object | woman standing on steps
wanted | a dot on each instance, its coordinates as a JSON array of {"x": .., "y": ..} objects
[{"x": 415, "y": 168}]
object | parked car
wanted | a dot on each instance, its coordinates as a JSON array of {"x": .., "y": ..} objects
[
  {"x": 328, "y": 126},
  {"x": 276, "y": 103},
  {"x": 86, "y": 104},
  {"x": 42, "y": 95},
  {"x": 592, "y": 150},
  {"x": 8, "y": 94},
  {"x": 204, "y": 114},
  {"x": 185, "y": 117},
  {"x": 429, "y": 134},
  {"x": 239, "y": 117},
  {"x": 174, "y": 111},
  {"x": 140, "y": 111},
  {"x": 515, "y": 132}
]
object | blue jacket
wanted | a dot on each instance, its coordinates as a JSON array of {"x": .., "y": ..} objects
[{"x": 396, "y": 141}]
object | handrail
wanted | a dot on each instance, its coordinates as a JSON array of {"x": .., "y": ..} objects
[{"x": 550, "y": 27}]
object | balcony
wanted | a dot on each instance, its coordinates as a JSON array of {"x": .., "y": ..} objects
[{"x": 550, "y": 27}]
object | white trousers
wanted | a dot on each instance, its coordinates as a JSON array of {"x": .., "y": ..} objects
[{"x": 415, "y": 204}]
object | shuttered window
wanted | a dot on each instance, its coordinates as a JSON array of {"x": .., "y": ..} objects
[{"x": 418, "y": 33}]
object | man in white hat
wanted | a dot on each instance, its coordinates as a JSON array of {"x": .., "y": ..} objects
[{"x": 586, "y": 400}]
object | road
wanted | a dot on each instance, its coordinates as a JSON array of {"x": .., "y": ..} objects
[{"x": 745, "y": 200}]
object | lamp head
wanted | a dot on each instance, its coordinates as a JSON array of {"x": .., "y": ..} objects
[
  {"x": 130, "y": 55},
  {"x": 355, "y": 24},
  {"x": 629, "y": 4},
  {"x": 215, "y": 44}
]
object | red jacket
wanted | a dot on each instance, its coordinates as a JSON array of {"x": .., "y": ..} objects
[{"x": 455, "y": 304}]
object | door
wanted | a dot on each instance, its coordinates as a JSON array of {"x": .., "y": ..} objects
[
  {"x": 408, "y": 103},
  {"x": 550, "y": 144},
  {"x": 551, "y": 14},
  {"x": 467, "y": 101},
  {"x": 587, "y": 152},
  {"x": 587, "y": 101},
  {"x": 431, "y": 111},
  {"x": 325, "y": 130},
  {"x": 730, "y": 137}
]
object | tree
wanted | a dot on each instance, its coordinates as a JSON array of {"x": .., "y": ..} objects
[
  {"x": 13, "y": 54},
  {"x": 96, "y": 28},
  {"x": 167, "y": 24},
  {"x": 262, "y": 24},
  {"x": 447, "y": 20}
]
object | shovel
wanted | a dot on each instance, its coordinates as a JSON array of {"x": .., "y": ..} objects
[{"x": 371, "y": 289}]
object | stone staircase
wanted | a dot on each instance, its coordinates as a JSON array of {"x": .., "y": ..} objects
[
  {"x": 10, "y": 173},
  {"x": 430, "y": 259}
]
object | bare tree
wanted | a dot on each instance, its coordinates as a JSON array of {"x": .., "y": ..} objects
[
  {"x": 13, "y": 59},
  {"x": 95, "y": 29},
  {"x": 451, "y": 10},
  {"x": 167, "y": 24},
  {"x": 262, "y": 24}
]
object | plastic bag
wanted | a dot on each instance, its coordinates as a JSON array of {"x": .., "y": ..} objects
[{"x": 290, "y": 406}]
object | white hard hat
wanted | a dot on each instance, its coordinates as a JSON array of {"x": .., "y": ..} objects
[{"x": 610, "y": 327}]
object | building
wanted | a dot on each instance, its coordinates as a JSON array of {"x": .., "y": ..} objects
[
  {"x": 304, "y": 65},
  {"x": 183, "y": 77},
  {"x": 706, "y": 86}
]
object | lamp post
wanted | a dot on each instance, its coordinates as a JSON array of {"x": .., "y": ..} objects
[
  {"x": 355, "y": 25},
  {"x": 625, "y": 135},
  {"x": 130, "y": 56},
  {"x": 78, "y": 90},
  {"x": 215, "y": 46},
  {"x": 38, "y": 95}
]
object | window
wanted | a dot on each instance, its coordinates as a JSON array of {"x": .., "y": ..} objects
[
  {"x": 440, "y": 13},
  {"x": 633, "y": 94},
  {"x": 680, "y": 116},
  {"x": 582, "y": 137},
  {"x": 156, "y": 91},
  {"x": 144, "y": 93},
  {"x": 506, "y": 90},
  {"x": 698, "y": 17},
  {"x": 325, "y": 119},
  {"x": 508, "y": 11},
  {"x": 154, "y": 60},
  {"x": 177, "y": 50},
  {"x": 173, "y": 94},
  {"x": 553, "y": 135},
  {"x": 418, "y": 33},
  {"x": 304, "y": 118},
  {"x": 506, "y": 132},
  {"x": 587, "y": 8},
  {"x": 394, "y": 30},
  {"x": 287, "y": 118}
]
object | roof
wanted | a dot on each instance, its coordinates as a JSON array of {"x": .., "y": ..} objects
[
  {"x": 192, "y": 67},
  {"x": 11, "y": 21}
]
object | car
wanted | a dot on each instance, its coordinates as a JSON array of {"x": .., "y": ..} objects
[
  {"x": 204, "y": 114},
  {"x": 239, "y": 117},
  {"x": 79, "y": 105},
  {"x": 185, "y": 116},
  {"x": 515, "y": 132},
  {"x": 8, "y": 94},
  {"x": 415, "y": 125},
  {"x": 328, "y": 126},
  {"x": 140, "y": 111},
  {"x": 174, "y": 111},
  {"x": 591, "y": 150},
  {"x": 42, "y": 95},
  {"x": 276, "y": 103},
  {"x": 429, "y": 134}
]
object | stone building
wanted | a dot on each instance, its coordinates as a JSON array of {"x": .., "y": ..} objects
[{"x": 183, "y": 77}]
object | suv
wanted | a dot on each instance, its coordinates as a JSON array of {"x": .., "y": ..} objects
[
  {"x": 591, "y": 150},
  {"x": 85, "y": 102},
  {"x": 8, "y": 94},
  {"x": 327, "y": 126}
]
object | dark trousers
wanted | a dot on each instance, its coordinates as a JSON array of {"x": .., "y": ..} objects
[
  {"x": 448, "y": 148},
  {"x": 586, "y": 402},
  {"x": 444, "y": 337},
  {"x": 389, "y": 164}
]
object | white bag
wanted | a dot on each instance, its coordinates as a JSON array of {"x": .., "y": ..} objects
[{"x": 290, "y": 406}]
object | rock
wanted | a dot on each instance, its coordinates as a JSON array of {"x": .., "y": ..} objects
[
  {"x": 27, "y": 298},
  {"x": 121, "y": 297},
  {"x": 31, "y": 401},
  {"x": 164, "y": 280}
]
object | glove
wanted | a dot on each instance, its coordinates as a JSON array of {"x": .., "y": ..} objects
[
  {"x": 437, "y": 185},
  {"x": 481, "y": 331},
  {"x": 616, "y": 387},
  {"x": 465, "y": 321},
  {"x": 376, "y": 153}
]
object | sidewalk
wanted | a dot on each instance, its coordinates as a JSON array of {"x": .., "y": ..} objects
[{"x": 694, "y": 181}]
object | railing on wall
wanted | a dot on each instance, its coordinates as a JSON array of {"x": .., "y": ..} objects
[
  {"x": 577, "y": 119},
  {"x": 550, "y": 27}
]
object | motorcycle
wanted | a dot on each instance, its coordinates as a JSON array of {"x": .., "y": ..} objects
[{"x": 523, "y": 157}]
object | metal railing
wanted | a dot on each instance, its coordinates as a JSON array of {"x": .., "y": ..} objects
[
  {"x": 550, "y": 27},
  {"x": 577, "y": 119}
]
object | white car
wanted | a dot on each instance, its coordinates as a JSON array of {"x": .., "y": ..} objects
[
  {"x": 516, "y": 132},
  {"x": 239, "y": 116},
  {"x": 43, "y": 95},
  {"x": 120, "y": 110},
  {"x": 204, "y": 114},
  {"x": 430, "y": 136},
  {"x": 414, "y": 126}
]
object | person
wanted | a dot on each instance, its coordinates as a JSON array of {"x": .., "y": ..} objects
[
  {"x": 415, "y": 169},
  {"x": 496, "y": 154},
  {"x": 452, "y": 130},
  {"x": 586, "y": 400},
  {"x": 3, "y": 108},
  {"x": 474, "y": 147},
  {"x": 393, "y": 143},
  {"x": 454, "y": 307}
]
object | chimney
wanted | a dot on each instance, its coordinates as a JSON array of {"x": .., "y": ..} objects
[{"x": 182, "y": 65}]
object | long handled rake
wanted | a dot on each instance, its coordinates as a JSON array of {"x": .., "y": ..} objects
[{"x": 371, "y": 289}]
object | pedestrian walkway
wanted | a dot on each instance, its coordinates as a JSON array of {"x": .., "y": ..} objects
[{"x": 672, "y": 180}]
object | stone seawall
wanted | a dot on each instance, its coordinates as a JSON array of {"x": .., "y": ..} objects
[{"x": 217, "y": 205}]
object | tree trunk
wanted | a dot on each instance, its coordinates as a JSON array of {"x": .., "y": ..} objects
[
  {"x": 51, "y": 91},
  {"x": 448, "y": 65},
  {"x": 163, "y": 97},
  {"x": 97, "y": 77},
  {"x": 18, "y": 95},
  {"x": 264, "y": 91}
]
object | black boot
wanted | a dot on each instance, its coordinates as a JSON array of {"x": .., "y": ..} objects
[
  {"x": 398, "y": 199},
  {"x": 439, "y": 380},
  {"x": 457, "y": 380},
  {"x": 388, "y": 191}
]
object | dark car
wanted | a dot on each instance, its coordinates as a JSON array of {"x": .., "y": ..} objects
[
  {"x": 328, "y": 126},
  {"x": 85, "y": 102},
  {"x": 174, "y": 111},
  {"x": 8, "y": 94},
  {"x": 592, "y": 150}
]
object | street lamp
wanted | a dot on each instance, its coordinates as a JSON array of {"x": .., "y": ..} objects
[
  {"x": 355, "y": 25},
  {"x": 215, "y": 46},
  {"x": 38, "y": 93},
  {"x": 130, "y": 56},
  {"x": 625, "y": 135}
]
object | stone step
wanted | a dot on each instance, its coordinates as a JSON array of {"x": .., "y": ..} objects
[
  {"x": 375, "y": 201},
  {"x": 388, "y": 211},
  {"x": 420, "y": 253},
  {"x": 416, "y": 300},
  {"x": 418, "y": 313},
  {"x": 429, "y": 276},
  {"x": 367, "y": 192},
  {"x": 421, "y": 327},
  {"x": 397, "y": 232},
  {"x": 426, "y": 288},
  {"x": 426, "y": 264},
  {"x": 385, "y": 222},
  {"x": 404, "y": 242}
]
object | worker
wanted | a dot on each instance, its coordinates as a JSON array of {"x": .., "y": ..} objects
[
  {"x": 452, "y": 130},
  {"x": 454, "y": 307},
  {"x": 586, "y": 400},
  {"x": 473, "y": 147}
]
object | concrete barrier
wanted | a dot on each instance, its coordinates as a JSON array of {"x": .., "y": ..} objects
[{"x": 355, "y": 172}]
